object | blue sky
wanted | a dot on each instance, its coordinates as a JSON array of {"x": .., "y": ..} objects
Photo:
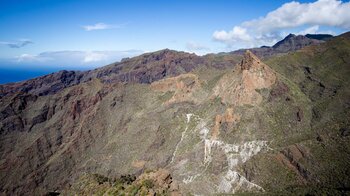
[{"x": 81, "y": 34}]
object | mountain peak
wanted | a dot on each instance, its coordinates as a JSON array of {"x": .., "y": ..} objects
[
  {"x": 290, "y": 36},
  {"x": 294, "y": 42},
  {"x": 289, "y": 43},
  {"x": 249, "y": 60},
  {"x": 239, "y": 87}
]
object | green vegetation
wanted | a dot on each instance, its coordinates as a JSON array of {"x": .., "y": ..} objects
[
  {"x": 148, "y": 183},
  {"x": 97, "y": 184},
  {"x": 166, "y": 96}
]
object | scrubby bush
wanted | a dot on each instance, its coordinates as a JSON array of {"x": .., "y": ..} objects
[
  {"x": 100, "y": 178},
  {"x": 148, "y": 183}
]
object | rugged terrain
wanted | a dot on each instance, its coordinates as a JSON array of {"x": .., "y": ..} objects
[
  {"x": 288, "y": 44},
  {"x": 175, "y": 123}
]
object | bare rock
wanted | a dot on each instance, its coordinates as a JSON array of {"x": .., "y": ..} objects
[
  {"x": 183, "y": 87},
  {"x": 239, "y": 87}
]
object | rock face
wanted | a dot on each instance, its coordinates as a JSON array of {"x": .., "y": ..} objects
[
  {"x": 183, "y": 88},
  {"x": 177, "y": 123},
  {"x": 240, "y": 87},
  {"x": 228, "y": 120}
]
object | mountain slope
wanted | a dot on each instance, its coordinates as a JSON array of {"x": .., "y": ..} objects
[
  {"x": 145, "y": 68},
  {"x": 279, "y": 127}
]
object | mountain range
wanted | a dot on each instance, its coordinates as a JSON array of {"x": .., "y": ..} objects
[{"x": 269, "y": 120}]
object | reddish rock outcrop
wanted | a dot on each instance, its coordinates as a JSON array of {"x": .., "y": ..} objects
[
  {"x": 183, "y": 87},
  {"x": 229, "y": 118},
  {"x": 239, "y": 87}
]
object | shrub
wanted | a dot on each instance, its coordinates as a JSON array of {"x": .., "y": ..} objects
[
  {"x": 100, "y": 179},
  {"x": 148, "y": 183}
]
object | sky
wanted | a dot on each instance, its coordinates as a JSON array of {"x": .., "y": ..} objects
[{"x": 48, "y": 35}]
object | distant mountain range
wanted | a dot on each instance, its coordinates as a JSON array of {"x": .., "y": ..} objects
[
  {"x": 288, "y": 44},
  {"x": 270, "y": 120}
]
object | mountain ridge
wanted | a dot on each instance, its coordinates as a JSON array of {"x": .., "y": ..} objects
[
  {"x": 227, "y": 125},
  {"x": 290, "y": 43},
  {"x": 138, "y": 73}
]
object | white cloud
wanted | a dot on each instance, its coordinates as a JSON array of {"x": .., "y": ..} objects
[
  {"x": 94, "y": 57},
  {"x": 322, "y": 12},
  {"x": 17, "y": 44},
  {"x": 310, "y": 30},
  {"x": 30, "y": 58},
  {"x": 75, "y": 58},
  {"x": 196, "y": 47},
  {"x": 100, "y": 26},
  {"x": 237, "y": 33},
  {"x": 314, "y": 30},
  {"x": 267, "y": 29}
]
